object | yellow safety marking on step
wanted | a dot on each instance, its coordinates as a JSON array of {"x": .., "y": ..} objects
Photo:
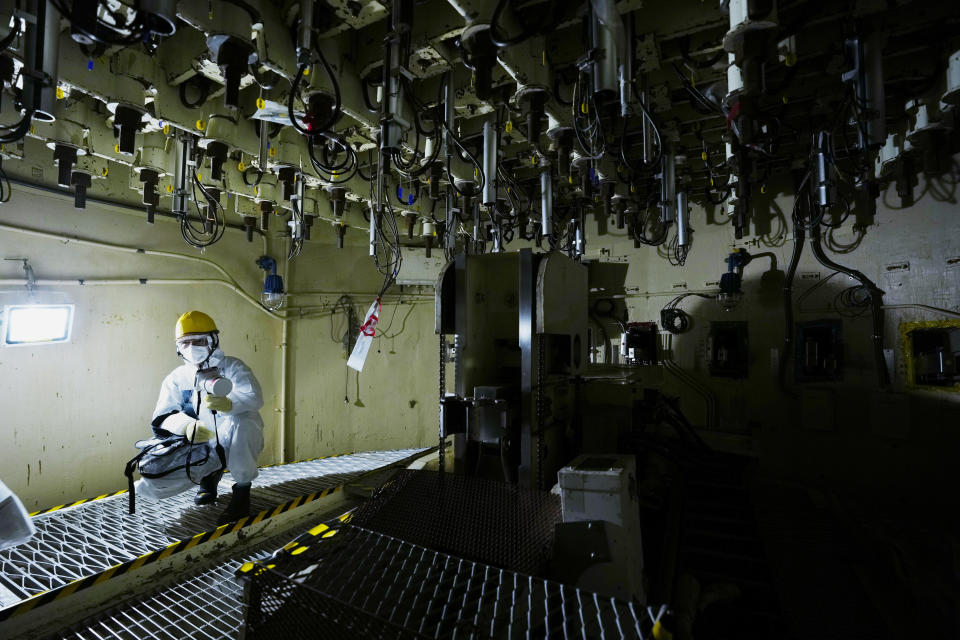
[
  {"x": 241, "y": 523},
  {"x": 317, "y": 530},
  {"x": 329, "y": 534},
  {"x": 260, "y": 516},
  {"x": 168, "y": 551},
  {"x": 197, "y": 539},
  {"x": 219, "y": 531},
  {"x": 106, "y": 575},
  {"x": 246, "y": 567},
  {"x": 298, "y": 551},
  {"x": 139, "y": 561}
]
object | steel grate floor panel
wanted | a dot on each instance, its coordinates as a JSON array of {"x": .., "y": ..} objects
[
  {"x": 361, "y": 583},
  {"x": 79, "y": 541},
  {"x": 482, "y": 520},
  {"x": 204, "y": 606}
]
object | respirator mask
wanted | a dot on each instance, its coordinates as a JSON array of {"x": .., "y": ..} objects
[{"x": 195, "y": 350}]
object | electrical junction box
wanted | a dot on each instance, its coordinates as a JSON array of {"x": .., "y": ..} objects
[
  {"x": 728, "y": 350},
  {"x": 603, "y": 488},
  {"x": 819, "y": 351}
]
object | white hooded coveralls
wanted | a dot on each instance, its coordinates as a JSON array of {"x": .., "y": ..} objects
[{"x": 240, "y": 429}]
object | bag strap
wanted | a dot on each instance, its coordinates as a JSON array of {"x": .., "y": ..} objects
[{"x": 128, "y": 471}]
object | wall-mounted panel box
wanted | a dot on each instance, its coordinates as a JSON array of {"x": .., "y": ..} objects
[
  {"x": 819, "y": 351},
  {"x": 729, "y": 349}
]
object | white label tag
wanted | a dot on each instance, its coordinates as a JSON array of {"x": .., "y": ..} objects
[{"x": 367, "y": 331}]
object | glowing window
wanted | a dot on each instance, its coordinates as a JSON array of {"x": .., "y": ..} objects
[{"x": 37, "y": 323}]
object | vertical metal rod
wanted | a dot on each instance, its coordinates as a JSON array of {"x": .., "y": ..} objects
[
  {"x": 668, "y": 188},
  {"x": 683, "y": 219},
  {"x": 489, "y": 163},
  {"x": 546, "y": 202}
]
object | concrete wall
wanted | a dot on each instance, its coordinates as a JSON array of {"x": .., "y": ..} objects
[
  {"x": 846, "y": 431},
  {"x": 71, "y": 412}
]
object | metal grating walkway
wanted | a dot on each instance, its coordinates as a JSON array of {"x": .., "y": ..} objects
[
  {"x": 84, "y": 540},
  {"x": 350, "y": 582},
  {"x": 203, "y": 606}
]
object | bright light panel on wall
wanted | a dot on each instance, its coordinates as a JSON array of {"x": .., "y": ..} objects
[{"x": 30, "y": 324}]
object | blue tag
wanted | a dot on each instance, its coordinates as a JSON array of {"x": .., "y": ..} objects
[{"x": 89, "y": 65}]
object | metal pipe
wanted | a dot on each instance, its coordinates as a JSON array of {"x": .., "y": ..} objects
[
  {"x": 667, "y": 188},
  {"x": 489, "y": 163},
  {"x": 123, "y": 282},
  {"x": 546, "y": 202},
  {"x": 683, "y": 219}
]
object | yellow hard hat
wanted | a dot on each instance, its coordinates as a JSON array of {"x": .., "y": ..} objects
[{"x": 195, "y": 322}]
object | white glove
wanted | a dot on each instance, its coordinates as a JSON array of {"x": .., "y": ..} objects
[
  {"x": 197, "y": 432},
  {"x": 183, "y": 425}
]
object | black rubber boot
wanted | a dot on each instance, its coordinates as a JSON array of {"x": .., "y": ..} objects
[
  {"x": 239, "y": 506},
  {"x": 207, "y": 494}
]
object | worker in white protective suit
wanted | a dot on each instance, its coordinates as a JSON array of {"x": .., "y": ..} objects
[{"x": 185, "y": 409}]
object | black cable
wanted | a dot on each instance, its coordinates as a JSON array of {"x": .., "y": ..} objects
[
  {"x": 676, "y": 320},
  {"x": 876, "y": 303},
  {"x": 5, "y": 189},
  {"x": 502, "y": 41},
  {"x": 18, "y": 130},
  {"x": 799, "y": 234},
  {"x": 294, "y": 90}
]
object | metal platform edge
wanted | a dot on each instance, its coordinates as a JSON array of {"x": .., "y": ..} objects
[{"x": 44, "y": 612}]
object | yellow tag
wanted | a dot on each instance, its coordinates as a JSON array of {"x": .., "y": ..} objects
[
  {"x": 570, "y": 179},
  {"x": 169, "y": 188},
  {"x": 273, "y": 151},
  {"x": 660, "y": 633},
  {"x": 256, "y": 191},
  {"x": 166, "y": 129},
  {"x": 543, "y": 59},
  {"x": 201, "y": 125},
  {"x": 33, "y": 129},
  {"x": 584, "y": 108},
  {"x": 199, "y": 176},
  {"x": 790, "y": 59},
  {"x": 241, "y": 166},
  {"x": 306, "y": 71},
  {"x": 785, "y": 99},
  {"x": 633, "y": 189},
  {"x": 703, "y": 156},
  {"x": 261, "y": 103},
  {"x": 508, "y": 127},
  {"x": 116, "y": 148},
  {"x": 105, "y": 171},
  {"x": 59, "y": 93},
  {"x": 533, "y": 159},
  {"x": 476, "y": 174},
  {"x": 763, "y": 188}
]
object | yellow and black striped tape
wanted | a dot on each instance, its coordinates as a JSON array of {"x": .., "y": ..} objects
[
  {"x": 73, "y": 504},
  {"x": 122, "y": 491},
  {"x": 159, "y": 554}
]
